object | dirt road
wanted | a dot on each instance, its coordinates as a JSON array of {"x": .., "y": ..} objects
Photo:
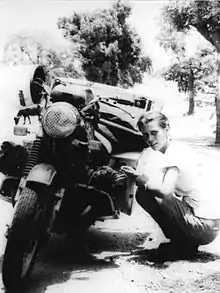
[
  {"x": 115, "y": 269},
  {"x": 59, "y": 269}
]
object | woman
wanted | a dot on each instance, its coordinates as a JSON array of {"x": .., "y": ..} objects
[{"x": 168, "y": 189}]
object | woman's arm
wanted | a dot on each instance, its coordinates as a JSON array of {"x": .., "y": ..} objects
[{"x": 165, "y": 187}]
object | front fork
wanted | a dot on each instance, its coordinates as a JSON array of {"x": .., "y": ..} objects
[{"x": 32, "y": 160}]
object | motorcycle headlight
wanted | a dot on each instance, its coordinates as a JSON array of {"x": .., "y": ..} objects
[{"x": 60, "y": 120}]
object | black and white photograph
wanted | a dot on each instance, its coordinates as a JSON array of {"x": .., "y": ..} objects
[{"x": 109, "y": 146}]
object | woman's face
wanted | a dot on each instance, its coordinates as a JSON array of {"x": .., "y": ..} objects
[{"x": 155, "y": 136}]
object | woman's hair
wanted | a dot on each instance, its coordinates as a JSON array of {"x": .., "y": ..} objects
[{"x": 153, "y": 116}]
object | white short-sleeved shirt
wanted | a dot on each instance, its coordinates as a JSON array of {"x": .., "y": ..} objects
[
  {"x": 151, "y": 163},
  {"x": 188, "y": 185}
]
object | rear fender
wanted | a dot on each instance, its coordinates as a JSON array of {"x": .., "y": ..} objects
[{"x": 42, "y": 174}]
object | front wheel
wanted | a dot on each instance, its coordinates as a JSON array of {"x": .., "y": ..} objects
[{"x": 23, "y": 239}]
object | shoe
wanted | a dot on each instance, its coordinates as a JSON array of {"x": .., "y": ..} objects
[
  {"x": 176, "y": 250},
  {"x": 170, "y": 251}
]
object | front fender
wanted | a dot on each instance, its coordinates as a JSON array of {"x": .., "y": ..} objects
[
  {"x": 42, "y": 173},
  {"x": 104, "y": 141}
]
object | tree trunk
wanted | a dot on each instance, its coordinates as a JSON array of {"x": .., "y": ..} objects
[
  {"x": 217, "y": 103},
  {"x": 191, "y": 94},
  {"x": 191, "y": 104},
  {"x": 214, "y": 38}
]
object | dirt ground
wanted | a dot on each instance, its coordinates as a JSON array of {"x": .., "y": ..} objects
[{"x": 116, "y": 267}]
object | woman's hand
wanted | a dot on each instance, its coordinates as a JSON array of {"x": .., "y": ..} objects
[
  {"x": 131, "y": 172},
  {"x": 140, "y": 180}
]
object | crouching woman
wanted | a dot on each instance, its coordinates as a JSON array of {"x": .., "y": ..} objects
[{"x": 169, "y": 191}]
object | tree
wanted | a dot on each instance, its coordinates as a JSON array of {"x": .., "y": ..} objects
[
  {"x": 190, "y": 72},
  {"x": 181, "y": 71},
  {"x": 205, "y": 17},
  {"x": 21, "y": 50},
  {"x": 110, "y": 48}
]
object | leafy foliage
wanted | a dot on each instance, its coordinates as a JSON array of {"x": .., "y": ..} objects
[
  {"x": 205, "y": 17},
  {"x": 201, "y": 67},
  {"x": 21, "y": 50},
  {"x": 206, "y": 81},
  {"x": 202, "y": 14},
  {"x": 192, "y": 73},
  {"x": 110, "y": 48},
  {"x": 171, "y": 40}
]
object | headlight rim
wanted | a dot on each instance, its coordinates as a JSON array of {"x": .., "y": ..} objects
[{"x": 61, "y": 105}]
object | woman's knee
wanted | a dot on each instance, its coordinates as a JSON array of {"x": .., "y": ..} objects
[{"x": 145, "y": 199}]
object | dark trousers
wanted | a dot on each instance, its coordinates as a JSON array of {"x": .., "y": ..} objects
[{"x": 176, "y": 218}]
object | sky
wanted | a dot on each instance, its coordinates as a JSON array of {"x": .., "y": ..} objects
[{"x": 18, "y": 16}]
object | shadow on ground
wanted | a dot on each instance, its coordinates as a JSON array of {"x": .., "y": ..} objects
[
  {"x": 155, "y": 259},
  {"x": 205, "y": 257},
  {"x": 62, "y": 260},
  {"x": 99, "y": 240}
]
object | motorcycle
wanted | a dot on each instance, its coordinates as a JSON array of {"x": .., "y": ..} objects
[{"x": 61, "y": 186}]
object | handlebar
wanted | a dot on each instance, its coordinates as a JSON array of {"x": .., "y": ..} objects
[
  {"x": 89, "y": 105},
  {"x": 121, "y": 101},
  {"x": 104, "y": 101},
  {"x": 34, "y": 110},
  {"x": 114, "y": 106}
]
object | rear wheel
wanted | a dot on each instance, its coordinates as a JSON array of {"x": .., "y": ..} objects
[{"x": 23, "y": 239}]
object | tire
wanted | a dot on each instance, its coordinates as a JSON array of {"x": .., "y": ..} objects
[{"x": 23, "y": 239}]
